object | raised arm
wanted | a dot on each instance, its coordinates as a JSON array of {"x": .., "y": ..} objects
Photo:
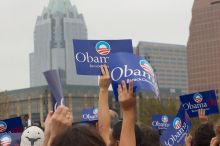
[
  {"x": 56, "y": 123},
  {"x": 128, "y": 104},
  {"x": 188, "y": 140},
  {"x": 103, "y": 105}
]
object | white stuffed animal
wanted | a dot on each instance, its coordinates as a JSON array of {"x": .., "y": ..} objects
[{"x": 32, "y": 136}]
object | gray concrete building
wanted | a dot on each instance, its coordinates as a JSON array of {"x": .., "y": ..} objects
[
  {"x": 169, "y": 62},
  {"x": 55, "y": 29}
]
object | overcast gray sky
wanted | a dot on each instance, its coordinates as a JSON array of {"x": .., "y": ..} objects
[{"x": 164, "y": 21}]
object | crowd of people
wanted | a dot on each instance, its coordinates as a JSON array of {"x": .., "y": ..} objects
[{"x": 60, "y": 129}]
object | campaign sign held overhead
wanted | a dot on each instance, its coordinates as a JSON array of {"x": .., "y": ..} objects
[
  {"x": 179, "y": 128},
  {"x": 54, "y": 83},
  {"x": 89, "y": 115},
  {"x": 127, "y": 66},
  {"x": 161, "y": 121},
  {"x": 90, "y": 54},
  {"x": 201, "y": 100},
  {"x": 13, "y": 125}
]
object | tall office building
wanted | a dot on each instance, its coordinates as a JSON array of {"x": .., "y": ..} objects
[
  {"x": 203, "y": 50},
  {"x": 169, "y": 64},
  {"x": 58, "y": 24}
]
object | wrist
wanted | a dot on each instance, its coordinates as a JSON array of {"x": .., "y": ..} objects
[
  {"x": 129, "y": 114},
  {"x": 103, "y": 89}
]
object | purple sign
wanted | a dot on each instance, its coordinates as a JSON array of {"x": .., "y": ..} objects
[
  {"x": 54, "y": 83},
  {"x": 127, "y": 66},
  {"x": 179, "y": 128}
]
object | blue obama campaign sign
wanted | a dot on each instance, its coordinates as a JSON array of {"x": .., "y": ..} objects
[
  {"x": 127, "y": 66},
  {"x": 206, "y": 100},
  {"x": 89, "y": 115},
  {"x": 161, "y": 121},
  {"x": 10, "y": 139},
  {"x": 13, "y": 125},
  {"x": 90, "y": 54},
  {"x": 179, "y": 128},
  {"x": 55, "y": 86}
]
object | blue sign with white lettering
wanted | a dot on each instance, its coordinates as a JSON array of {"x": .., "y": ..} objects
[
  {"x": 10, "y": 139},
  {"x": 89, "y": 115},
  {"x": 54, "y": 83},
  {"x": 89, "y": 55},
  {"x": 13, "y": 125},
  {"x": 179, "y": 128},
  {"x": 161, "y": 121},
  {"x": 201, "y": 100},
  {"x": 127, "y": 66}
]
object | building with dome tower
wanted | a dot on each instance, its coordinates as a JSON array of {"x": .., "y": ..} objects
[{"x": 54, "y": 31}]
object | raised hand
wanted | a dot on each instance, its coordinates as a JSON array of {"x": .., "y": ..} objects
[
  {"x": 127, "y": 102},
  {"x": 215, "y": 142},
  {"x": 202, "y": 117},
  {"x": 188, "y": 140},
  {"x": 103, "y": 106},
  {"x": 126, "y": 96},
  {"x": 104, "y": 81},
  {"x": 56, "y": 123}
]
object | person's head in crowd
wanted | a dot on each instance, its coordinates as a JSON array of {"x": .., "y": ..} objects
[
  {"x": 79, "y": 135},
  {"x": 37, "y": 123},
  {"x": 114, "y": 117},
  {"x": 32, "y": 136},
  {"x": 116, "y": 133},
  {"x": 150, "y": 137},
  {"x": 203, "y": 135},
  {"x": 26, "y": 117}
]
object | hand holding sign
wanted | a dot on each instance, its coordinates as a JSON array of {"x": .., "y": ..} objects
[
  {"x": 56, "y": 123},
  {"x": 201, "y": 100}
]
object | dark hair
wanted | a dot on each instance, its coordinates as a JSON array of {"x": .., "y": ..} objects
[
  {"x": 79, "y": 135},
  {"x": 151, "y": 137},
  {"x": 117, "y": 132},
  {"x": 203, "y": 135}
]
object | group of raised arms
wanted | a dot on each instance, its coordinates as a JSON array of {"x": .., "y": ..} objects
[{"x": 60, "y": 129}]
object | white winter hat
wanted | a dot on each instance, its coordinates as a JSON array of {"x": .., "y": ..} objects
[{"x": 32, "y": 136}]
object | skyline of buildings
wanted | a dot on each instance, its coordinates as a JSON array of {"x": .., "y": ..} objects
[
  {"x": 58, "y": 24},
  {"x": 55, "y": 29},
  {"x": 203, "y": 49},
  {"x": 169, "y": 62}
]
